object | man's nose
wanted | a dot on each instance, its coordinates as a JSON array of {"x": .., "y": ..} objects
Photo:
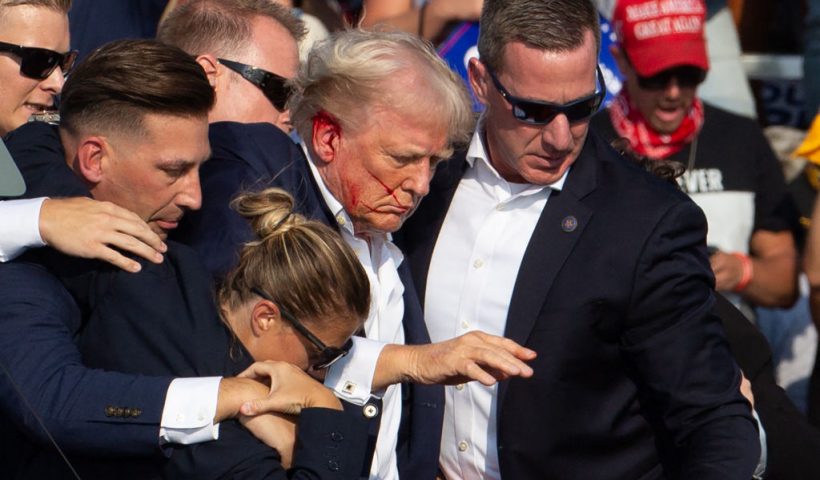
[
  {"x": 556, "y": 135},
  {"x": 191, "y": 195},
  {"x": 418, "y": 182}
]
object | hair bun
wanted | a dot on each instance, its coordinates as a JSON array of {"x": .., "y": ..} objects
[{"x": 270, "y": 211}]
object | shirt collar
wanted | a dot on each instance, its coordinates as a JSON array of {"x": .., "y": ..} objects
[{"x": 477, "y": 151}]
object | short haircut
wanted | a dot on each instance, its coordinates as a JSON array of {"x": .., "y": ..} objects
[
  {"x": 222, "y": 27},
  {"x": 551, "y": 25},
  {"x": 353, "y": 71},
  {"x": 58, "y": 5},
  {"x": 121, "y": 82},
  {"x": 303, "y": 265}
]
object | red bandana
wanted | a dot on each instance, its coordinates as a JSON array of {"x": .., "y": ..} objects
[{"x": 630, "y": 124}]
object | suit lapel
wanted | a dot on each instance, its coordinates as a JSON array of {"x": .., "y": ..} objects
[{"x": 561, "y": 224}]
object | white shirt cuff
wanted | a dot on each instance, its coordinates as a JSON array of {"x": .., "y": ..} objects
[
  {"x": 352, "y": 376},
  {"x": 188, "y": 414},
  {"x": 19, "y": 226},
  {"x": 764, "y": 452}
]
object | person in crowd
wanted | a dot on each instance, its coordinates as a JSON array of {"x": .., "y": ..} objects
[
  {"x": 248, "y": 49},
  {"x": 369, "y": 149},
  {"x": 731, "y": 172},
  {"x": 542, "y": 233},
  {"x": 429, "y": 19},
  {"x": 34, "y": 58},
  {"x": 811, "y": 265}
]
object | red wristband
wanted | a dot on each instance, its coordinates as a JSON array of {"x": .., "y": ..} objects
[{"x": 748, "y": 271}]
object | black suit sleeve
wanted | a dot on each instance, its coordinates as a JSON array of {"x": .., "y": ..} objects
[
  {"x": 793, "y": 444},
  {"x": 688, "y": 381},
  {"x": 41, "y": 363},
  {"x": 330, "y": 445}
]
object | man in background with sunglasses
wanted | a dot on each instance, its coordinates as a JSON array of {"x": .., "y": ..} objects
[
  {"x": 34, "y": 59},
  {"x": 731, "y": 171},
  {"x": 543, "y": 234}
]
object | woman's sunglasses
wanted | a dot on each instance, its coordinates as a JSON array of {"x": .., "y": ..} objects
[
  {"x": 38, "y": 63},
  {"x": 536, "y": 112},
  {"x": 327, "y": 355},
  {"x": 275, "y": 88}
]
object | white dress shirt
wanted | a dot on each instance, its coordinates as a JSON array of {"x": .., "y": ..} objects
[
  {"x": 19, "y": 227},
  {"x": 351, "y": 377},
  {"x": 469, "y": 286}
]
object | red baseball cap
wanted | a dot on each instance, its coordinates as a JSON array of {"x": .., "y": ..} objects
[{"x": 660, "y": 34}]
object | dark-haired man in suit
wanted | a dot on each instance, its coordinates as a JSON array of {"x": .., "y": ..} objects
[{"x": 545, "y": 235}]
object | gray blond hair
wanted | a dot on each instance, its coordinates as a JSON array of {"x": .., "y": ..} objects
[
  {"x": 222, "y": 26},
  {"x": 552, "y": 25},
  {"x": 353, "y": 71}
]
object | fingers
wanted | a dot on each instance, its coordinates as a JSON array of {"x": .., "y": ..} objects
[
  {"x": 506, "y": 344},
  {"x": 87, "y": 228}
]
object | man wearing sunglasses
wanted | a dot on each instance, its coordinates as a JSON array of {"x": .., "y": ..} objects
[
  {"x": 731, "y": 171},
  {"x": 34, "y": 59},
  {"x": 540, "y": 232}
]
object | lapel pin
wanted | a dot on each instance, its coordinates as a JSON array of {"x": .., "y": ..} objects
[{"x": 569, "y": 224}]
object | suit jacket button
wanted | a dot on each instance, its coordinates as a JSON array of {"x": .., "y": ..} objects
[
  {"x": 110, "y": 411},
  {"x": 370, "y": 410},
  {"x": 337, "y": 437},
  {"x": 126, "y": 412},
  {"x": 333, "y": 466},
  {"x": 118, "y": 411},
  {"x": 136, "y": 412}
]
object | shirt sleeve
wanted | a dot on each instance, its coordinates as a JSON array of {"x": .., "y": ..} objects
[
  {"x": 760, "y": 470},
  {"x": 19, "y": 227},
  {"x": 188, "y": 414},
  {"x": 352, "y": 376}
]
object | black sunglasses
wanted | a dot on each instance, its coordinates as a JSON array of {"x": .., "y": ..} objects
[
  {"x": 541, "y": 113},
  {"x": 274, "y": 87},
  {"x": 327, "y": 355},
  {"x": 38, "y": 63},
  {"x": 687, "y": 76}
]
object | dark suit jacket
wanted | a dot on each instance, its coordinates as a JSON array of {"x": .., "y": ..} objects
[
  {"x": 163, "y": 321},
  {"x": 792, "y": 443},
  {"x": 256, "y": 156},
  {"x": 634, "y": 378}
]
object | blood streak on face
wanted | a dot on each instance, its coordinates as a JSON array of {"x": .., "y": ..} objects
[{"x": 388, "y": 190}]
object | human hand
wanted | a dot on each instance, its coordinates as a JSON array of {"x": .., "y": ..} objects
[
  {"x": 276, "y": 431},
  {"x": 291, "y": 390},
  {"x": 87, "y": 228},
  {"x": 728, "y": 270},
  {"x": 472, "y": 356}
]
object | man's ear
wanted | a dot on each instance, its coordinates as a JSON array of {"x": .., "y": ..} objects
[
  {"x": 265, "y": 317},
  {"x": 93, "y": 154},
  {"x": 327, "y": 135},
  {"x": 210, "y": 65},
  {"x": 479, "y": 78}
]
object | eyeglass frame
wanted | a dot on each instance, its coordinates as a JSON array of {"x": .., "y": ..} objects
[
  {"x": 328, "y": 355},
  {"x": 515, "y": 102},
  {"x": 261, "y": 78},
  {"x": 25, "y": 53}
]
